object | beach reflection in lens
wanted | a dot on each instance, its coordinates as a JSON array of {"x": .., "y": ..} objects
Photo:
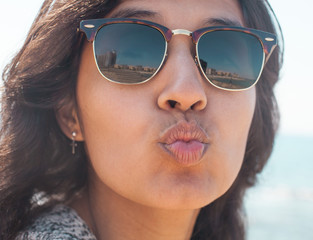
[
  {"x": 129, "y": 53},
  {"x": 231, "y": 59}
]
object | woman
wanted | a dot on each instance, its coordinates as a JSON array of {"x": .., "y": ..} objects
[{"x": 123, "y": 120}]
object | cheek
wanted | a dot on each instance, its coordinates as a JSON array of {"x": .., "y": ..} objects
[
  {"x": 234, "y": 121},
  {"x": 108, "y": 112},
  {"x": 115, "y": 122},
  {"x": 112, "y": 125}
]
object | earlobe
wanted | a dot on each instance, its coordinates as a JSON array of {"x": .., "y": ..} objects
[{"x": 69, "y": 123}]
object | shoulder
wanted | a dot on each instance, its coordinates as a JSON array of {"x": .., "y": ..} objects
[{"x": 61, "y": 223}]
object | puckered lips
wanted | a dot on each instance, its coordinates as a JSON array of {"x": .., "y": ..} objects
[{"x": 186, "y": 142}]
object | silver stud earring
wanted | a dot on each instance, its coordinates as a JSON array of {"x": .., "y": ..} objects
[{"x": 73, "y": 144}]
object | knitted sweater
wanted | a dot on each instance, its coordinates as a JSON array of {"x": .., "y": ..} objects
[{"x": 61, "y": 223}]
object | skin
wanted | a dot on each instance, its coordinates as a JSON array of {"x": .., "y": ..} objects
[{"x": 136, "y": 189}]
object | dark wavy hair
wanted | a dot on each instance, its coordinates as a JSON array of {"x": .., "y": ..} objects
[{"x": 37, "y": 169}]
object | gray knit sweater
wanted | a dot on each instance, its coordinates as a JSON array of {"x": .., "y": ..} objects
[{"x": 61, "y": 223}]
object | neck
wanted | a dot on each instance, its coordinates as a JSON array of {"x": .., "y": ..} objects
[{"x": 113, "y": 217}]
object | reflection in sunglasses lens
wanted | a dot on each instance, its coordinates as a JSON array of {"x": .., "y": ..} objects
[
  {"x": 129, "y": 53},
  {"x": 230, "y": 59}
]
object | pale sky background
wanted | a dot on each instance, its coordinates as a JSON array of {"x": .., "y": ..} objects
[{"x": 294, "y": 92}]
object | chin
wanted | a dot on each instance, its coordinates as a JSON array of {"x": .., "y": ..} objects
[
  {"x": 188, "y": 197},
  {"x": 187, "y": 203}
]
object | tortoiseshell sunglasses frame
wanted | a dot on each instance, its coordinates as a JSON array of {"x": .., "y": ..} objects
[{"x": 268, "y": 40}]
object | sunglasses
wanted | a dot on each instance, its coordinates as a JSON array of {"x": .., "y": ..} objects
[{"x": 133, "y": 51}]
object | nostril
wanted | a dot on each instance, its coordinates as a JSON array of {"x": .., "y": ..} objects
[{"x": 172, "y": 103}]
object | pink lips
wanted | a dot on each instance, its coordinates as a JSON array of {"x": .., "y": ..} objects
[{"x": 186, "y": 142}]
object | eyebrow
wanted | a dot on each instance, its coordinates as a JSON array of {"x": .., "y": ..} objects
[
  {"x": 221, "y": 22},
  {"x": 139, "y": 13},
  {"x": 133, "y": 12}
]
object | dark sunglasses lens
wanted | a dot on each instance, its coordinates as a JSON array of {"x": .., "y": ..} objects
[
  {"x": 231, "y": 59},
  {"x": 129, "y": 53}
]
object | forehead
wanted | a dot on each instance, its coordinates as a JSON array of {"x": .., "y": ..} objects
[{"x": 188, "y": 14}]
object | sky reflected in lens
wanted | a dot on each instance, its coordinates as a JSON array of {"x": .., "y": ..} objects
[
  {"x": 129, "y": 53},
  {"x": 230, "y": 59}
]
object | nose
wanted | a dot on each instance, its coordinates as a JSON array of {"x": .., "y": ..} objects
[{"x": 184, "y": 89}]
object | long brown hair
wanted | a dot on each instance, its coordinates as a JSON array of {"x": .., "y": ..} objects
[{"x": 37, "y": 169}]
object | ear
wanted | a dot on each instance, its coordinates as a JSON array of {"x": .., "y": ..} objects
[{"x": 69, "y": 122}]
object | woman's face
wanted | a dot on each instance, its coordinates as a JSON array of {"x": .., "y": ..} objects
[{"x": 146, "y": 149}]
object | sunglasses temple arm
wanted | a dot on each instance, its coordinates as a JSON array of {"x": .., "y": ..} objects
[{"x": 269, "y": 52}]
